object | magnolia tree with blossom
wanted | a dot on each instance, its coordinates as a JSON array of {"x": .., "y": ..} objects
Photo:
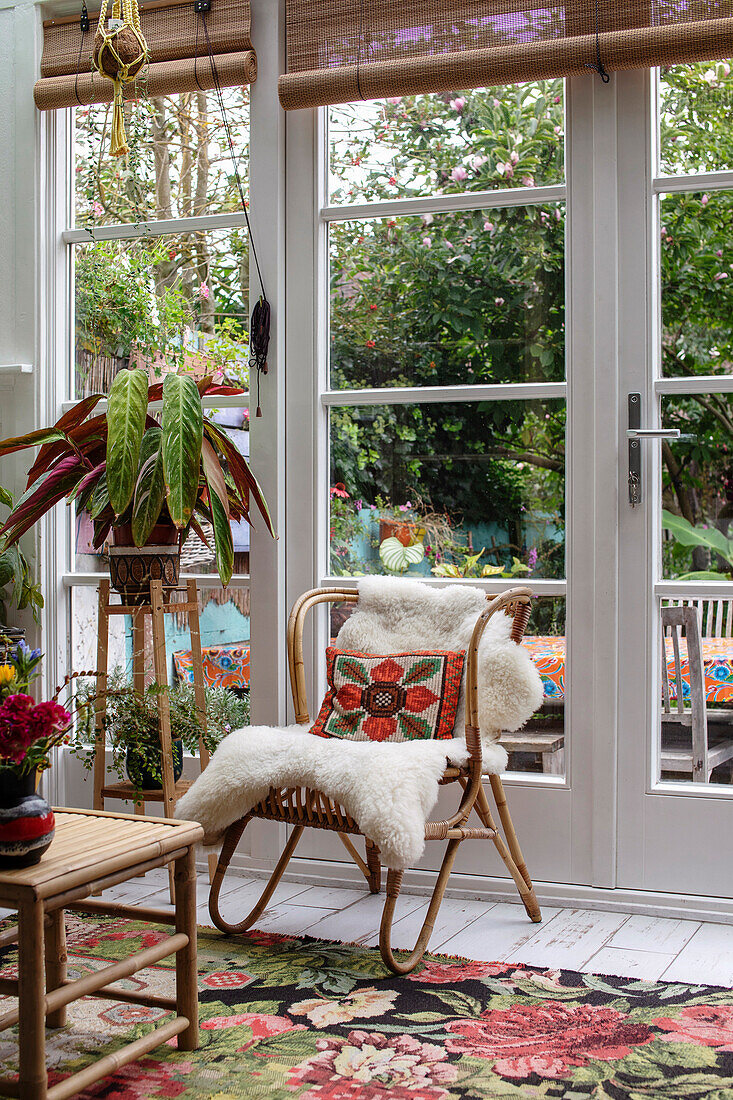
[{"x": 478, "y": 297}]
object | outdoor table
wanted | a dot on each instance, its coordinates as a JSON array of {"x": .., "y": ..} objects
[
  {"x": 223, "y": 665},
  {"x": 548, "y": 654}
]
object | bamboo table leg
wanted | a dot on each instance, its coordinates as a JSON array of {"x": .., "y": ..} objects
[
  {"x": 33, "y": 1080},
  {"x": 187, "y": 987},
  {"x": 56, "y": 960}
]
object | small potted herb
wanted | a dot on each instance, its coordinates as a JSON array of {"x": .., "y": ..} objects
[{"x": 132, "y": 730}]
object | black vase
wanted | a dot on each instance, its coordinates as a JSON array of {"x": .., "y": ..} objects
[
  {"x": 27, "y": 823},
  {"x": 138, "y": 769}
]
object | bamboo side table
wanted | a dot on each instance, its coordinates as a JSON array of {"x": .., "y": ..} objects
[{"x": 90, "y": 852}]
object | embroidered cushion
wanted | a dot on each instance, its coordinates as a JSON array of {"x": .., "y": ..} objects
[{"x": 395, "y": 697}]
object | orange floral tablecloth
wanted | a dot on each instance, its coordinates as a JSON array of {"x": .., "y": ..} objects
[
  {"x": 548, "y": 654},
  {"x": 224, "y": 665}
]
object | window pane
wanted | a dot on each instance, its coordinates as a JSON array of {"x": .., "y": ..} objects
[
  {"x": 697, "y": 283},
  {"x": 179, "y": 163},
  {"x": 466, "y": 490},
  {"x": 457, "y": 298},
  {"x": 697, "y": 487},
  {"x": 695, "y": 733},
  {"x": 225, "y": 632},
  {"x": 695, "y": 104},
  {"x": 163, "y": 303},
  {"x": 479, "y": 140}
]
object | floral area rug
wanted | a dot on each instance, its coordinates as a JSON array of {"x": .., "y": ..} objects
[{"x": 300, "y": 1019}]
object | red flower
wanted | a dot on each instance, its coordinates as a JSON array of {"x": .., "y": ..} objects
[
  {"x": 448, "y": 973},
  {"x": 547, "y": 1038},
  {"x": 705, "y": 1025},
  {"x": 261, "y": 1024},
  {"x": 370, "y": 344}
]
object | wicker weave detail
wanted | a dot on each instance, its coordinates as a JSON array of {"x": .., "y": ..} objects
[
  {"x": 170, "y": 32},
  {"x": 302, "y": 806},
  {"x": 157, "y": 79},
  {"x": 339, "y": 51}
]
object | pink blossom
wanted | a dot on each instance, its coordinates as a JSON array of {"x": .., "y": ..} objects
[
  {"x": 477, "y": 162},
  {"x": 721, "y": 275},
  {"x": 557, "y": 99},
  {"x": 394, "y": 100},
  {"x": 498, "y": 301},
  {"x": 97, "y": 209},
  {"x": 558, "y": 215},
  {"x": 204, "y": 292},
  {"x": 489, "y": 227},
  {"x": 458, "y": 104},
  {"x": 719, "y": 252},
  {"x": 514, "y": 157},
  {"x": 393, "y": 181},
  {"x": 705, "y": 200},
  {"x": 427, "y": 242},
  {"x": 459, "y": 173},
  {"x": 558, "y": 130},
  {"x": 427, "y": 219},
  {"x": 528, "y": 181},
  {"x": 725, "y": 69}
]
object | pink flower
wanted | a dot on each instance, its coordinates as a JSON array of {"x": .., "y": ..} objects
[
  {"x": 705, "y": 200},
  {"x": 458, "y": 104},
  {"x": 97, "y": 209},
  {"x": 725, "y": 69},
  {"x": 498, "y": 301},
  {"x": 204, "y": 292},
  {"x": 558, "y": 130},
  {"x": 459, "y": 173},
  {"x": 436, "y": 973},
  {"x": 719, "y": 252},
  {"x": 478, "y": 162},
  {"x": 427, "y": 242},
  {"x": 546, "y": 1038},
  {"x": 721, "y": 275},
  {"x": 261, "y": 1025},
  {"x": 528, "y": 181},
  {"x": 514, "y": 157},
  {"x": 497, "y": 102},
  {"x": 704, "y": 1025},
  {"x": 394, "y": 100},
  {"x": 489, "y": 227},
  {"x": 372, "y": 1066},
  {"x": 427, "y": 219}
]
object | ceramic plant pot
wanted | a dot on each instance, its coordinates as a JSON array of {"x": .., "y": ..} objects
[
  {"x": 132, "y": 568},
  {"x": 27, "y": 823},
  {"x": 140, "y": 774}
]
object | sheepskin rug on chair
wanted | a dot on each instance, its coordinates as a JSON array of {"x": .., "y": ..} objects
[{"x": 389, "y": 789}]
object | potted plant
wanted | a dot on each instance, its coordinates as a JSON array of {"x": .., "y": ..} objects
[
  {"x": 28, "y": 733},
  {"x": 147, "y": 483},
  {"x": 17, "y": 585},
  {"x": 131, "y": 726}
]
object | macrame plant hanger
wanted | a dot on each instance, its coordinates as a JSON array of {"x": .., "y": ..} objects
[
  {"x": 120, "y": 51},
  {"x": 259, "y": 329}
]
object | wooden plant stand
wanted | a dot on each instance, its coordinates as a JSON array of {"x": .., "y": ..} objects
[
  {"x": 90, "y": 852},
  {"x": 161, "y": 603}
]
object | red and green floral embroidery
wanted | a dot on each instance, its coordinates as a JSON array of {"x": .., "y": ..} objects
[{"x": 395, "y": 697}]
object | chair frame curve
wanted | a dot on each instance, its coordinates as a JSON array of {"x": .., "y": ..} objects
[{"x": 302, "y": 807}]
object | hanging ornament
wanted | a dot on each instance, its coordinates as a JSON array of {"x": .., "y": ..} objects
[{"x": 120, "y": 51}]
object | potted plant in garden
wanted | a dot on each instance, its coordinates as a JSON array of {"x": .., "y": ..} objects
[
  {"x": 147, "y": 483},
  {"x": 28, "y": 733},
  {"x": 131, "y": 725}
]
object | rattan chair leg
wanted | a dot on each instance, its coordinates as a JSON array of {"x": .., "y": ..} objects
[
  {"x": 394, "y": 883},
  {"x": 530, "y": 899},
  {"x": 374, "y": 864},
  {"x": 254, "y": 914},
  {"x": 519, "y": 874}
]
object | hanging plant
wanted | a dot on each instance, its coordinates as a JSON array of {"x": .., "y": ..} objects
[{"x": 120, "y": 51}]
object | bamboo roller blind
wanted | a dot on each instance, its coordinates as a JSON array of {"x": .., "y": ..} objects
[
  {"x": 179, "y": 63},
  {"x": 339, "y": 51}
]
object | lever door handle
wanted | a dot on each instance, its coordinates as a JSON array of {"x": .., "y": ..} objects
[{"x": 653, "y": 433}]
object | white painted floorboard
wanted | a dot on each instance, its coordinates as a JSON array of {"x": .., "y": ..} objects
[{"x": 648, "y": 948}]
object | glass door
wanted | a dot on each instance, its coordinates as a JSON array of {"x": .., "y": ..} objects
[{"x": 676, "y": 497}]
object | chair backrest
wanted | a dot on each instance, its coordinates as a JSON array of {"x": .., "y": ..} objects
[
  {"x": 516, "y": 603},
  {"x": 715, "y": 615},
  {"x": 675, "y": 620}
]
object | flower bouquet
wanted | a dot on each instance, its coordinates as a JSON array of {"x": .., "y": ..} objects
[{"x": 28, "y": 733}]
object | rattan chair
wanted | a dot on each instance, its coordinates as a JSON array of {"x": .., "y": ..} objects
[{"x": 301, "y": 807}]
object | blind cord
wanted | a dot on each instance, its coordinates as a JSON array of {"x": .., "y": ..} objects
[
  {"x": 259, "y": 334},
  {"x": 598, "y": 67}
]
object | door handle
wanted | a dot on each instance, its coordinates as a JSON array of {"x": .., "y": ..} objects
[
  {"x": 653, "y": 433},
  {"x": 635, "y": 433}
]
